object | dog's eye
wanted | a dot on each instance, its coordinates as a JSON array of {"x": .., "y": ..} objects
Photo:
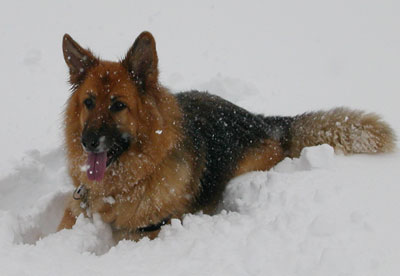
[
  {"x": 89, "y": 103},
  {"x": 117, "y": 106}
]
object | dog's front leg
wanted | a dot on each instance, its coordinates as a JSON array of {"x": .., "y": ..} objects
[
  {"x": 67, "y": 221},
  {"x": 72, "y": 211}
]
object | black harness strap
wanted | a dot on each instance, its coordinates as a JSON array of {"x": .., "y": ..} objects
[{"x": 153, "y": 227}]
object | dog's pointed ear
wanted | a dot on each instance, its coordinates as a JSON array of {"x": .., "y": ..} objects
[
  {"x": 78, "y": 59},
  {"x": 141, "y": 61}
]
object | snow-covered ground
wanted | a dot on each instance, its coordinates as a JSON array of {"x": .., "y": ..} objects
[{"x": 321, "y": 214}]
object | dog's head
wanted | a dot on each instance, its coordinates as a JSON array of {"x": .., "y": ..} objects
[{"x": 116, "y": 107}]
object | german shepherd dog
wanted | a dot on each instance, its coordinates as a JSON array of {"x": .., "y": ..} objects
[{"x": 140, "y": 156}]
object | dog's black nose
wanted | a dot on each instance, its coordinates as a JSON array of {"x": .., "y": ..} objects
[{"x": 91, "y": 141}]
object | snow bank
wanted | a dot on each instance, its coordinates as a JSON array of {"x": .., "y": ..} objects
[{"x": 320, "y": 214}]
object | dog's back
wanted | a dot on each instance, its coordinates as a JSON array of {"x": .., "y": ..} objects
[
  {"x": 223, "y": 135},
  {"x": 228, "y": 140}
]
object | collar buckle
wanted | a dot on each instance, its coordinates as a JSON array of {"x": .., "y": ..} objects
[{"x": 80, "y": 193}]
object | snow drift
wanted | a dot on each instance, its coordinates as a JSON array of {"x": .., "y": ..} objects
[{"x": 321, "y": 214}]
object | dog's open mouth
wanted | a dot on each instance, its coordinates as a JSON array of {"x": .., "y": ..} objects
[{"x": 98, "y": 162}]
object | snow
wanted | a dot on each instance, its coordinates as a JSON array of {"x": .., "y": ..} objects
[
  {"x": 304, "y": 217},
  {"x": 320, "y": 214}
]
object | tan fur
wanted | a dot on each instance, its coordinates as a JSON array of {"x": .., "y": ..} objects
[
  {"x": 261, "y": 158},
  {"x": 168, "y": 192},
  {"x": 347, "y": 131},
  {"x": 67, "y": 221},
  {"x": 155, "y": 166}
]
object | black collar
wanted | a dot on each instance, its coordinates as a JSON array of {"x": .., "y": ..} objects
[{"x": 153, "y": 227}]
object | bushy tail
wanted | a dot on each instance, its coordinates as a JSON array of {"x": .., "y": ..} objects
[{"x": 347, "y": 131}]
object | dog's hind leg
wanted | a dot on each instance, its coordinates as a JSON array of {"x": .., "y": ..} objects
[{"x": 260, "y": 158}]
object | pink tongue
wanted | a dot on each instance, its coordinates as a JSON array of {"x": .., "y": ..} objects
[{"x": 97, "y": 163}]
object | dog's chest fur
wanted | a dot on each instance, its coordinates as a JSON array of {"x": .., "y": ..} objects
[{"x": 167, "y": 193}]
